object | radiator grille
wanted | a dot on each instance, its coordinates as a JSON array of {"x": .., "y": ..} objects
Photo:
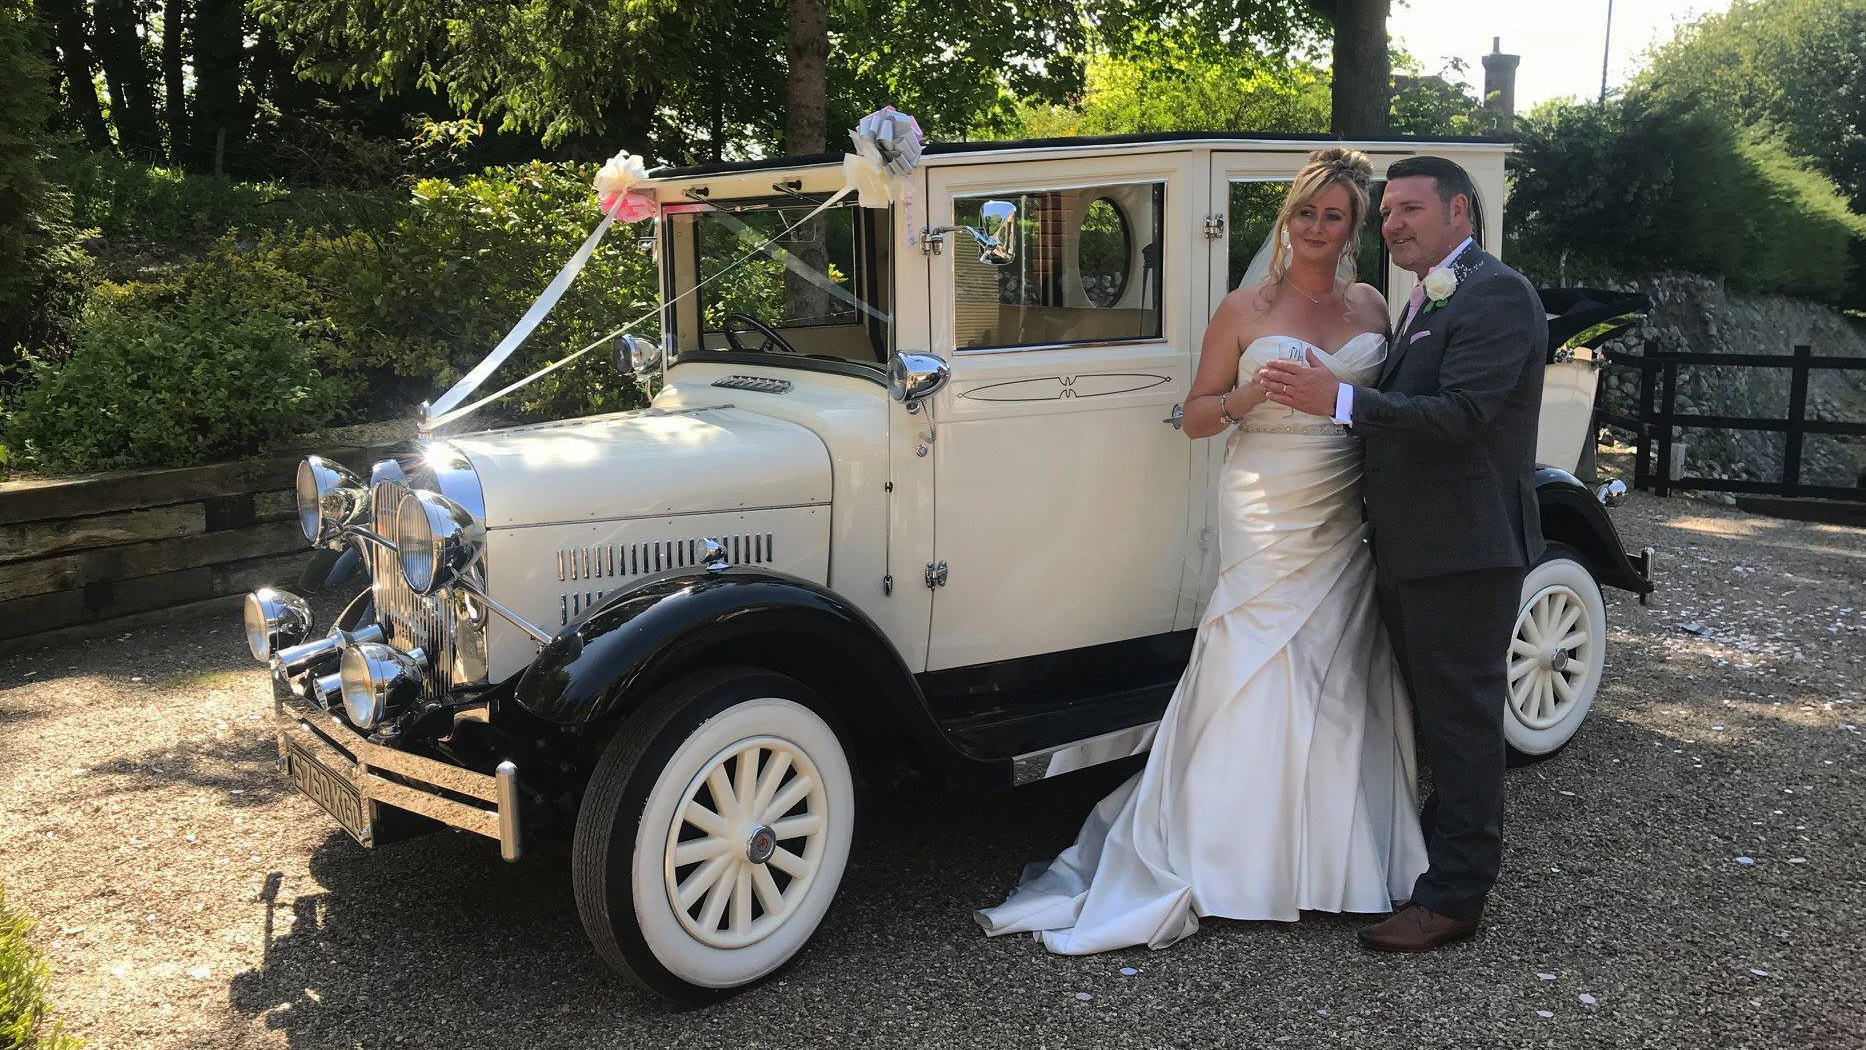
[
  {"x": 579, "y": 568},
  {"x": 408, "y": 620}
]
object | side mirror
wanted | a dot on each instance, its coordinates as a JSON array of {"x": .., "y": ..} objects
[
  {"x": 912, "y": 378},
  {"x": 999, "y": 219},
  {"x": 635, "y": 356}
]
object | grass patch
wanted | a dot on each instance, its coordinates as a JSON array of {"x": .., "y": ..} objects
[{"x": 25, "y": 1015}]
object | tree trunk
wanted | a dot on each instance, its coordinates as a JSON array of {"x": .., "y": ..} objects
[
  {"x": 219, "y": 47},
  {"x": 807, "y": 49},
  {"x": 808, "y": 52},
  {"x": 66, "y": 20},
  {"x": 126, "y": 73},
  {"x": 174, "y": 87},
  {"x": 1361, "y": 70}
]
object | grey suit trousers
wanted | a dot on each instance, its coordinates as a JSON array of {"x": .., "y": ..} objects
[{"x": 1451, "y": 634}]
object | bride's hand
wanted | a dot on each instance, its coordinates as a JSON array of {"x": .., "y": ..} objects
[{"x": 1248, "y": 395}]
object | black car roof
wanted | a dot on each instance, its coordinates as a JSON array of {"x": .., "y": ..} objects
[{"x": 937, "y": 149}]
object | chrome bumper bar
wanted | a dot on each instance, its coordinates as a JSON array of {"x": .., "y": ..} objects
[{"x": 460, "y": 798}]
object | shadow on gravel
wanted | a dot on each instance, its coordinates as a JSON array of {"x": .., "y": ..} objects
[
  {"x": 436, "y": 936},
  {"x": 240, "y": 768}
]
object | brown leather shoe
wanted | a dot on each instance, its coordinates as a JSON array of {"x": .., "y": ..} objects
[{"x": 1416, "y": 928}]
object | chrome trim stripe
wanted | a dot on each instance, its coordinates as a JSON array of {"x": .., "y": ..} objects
[{"x": 662, "y": 517}]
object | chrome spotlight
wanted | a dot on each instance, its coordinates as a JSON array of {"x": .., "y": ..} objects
[
  {"x": 330, "y": 498},
  {"x": 377, "y": 678},
  {"x": 1612, "y": 494},
  {"x": 434, "y": 539},
  {"x": 275, "y": 620},
  {"x": 324, "y": 651}
]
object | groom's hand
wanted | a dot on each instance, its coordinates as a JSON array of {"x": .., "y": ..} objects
[{"x": 1307, "y": 388}]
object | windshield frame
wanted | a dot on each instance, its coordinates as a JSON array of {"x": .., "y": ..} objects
[{"x": 873, "y": 269}]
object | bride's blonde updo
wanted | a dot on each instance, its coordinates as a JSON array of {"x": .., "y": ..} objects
[{"x": 1332, "y": 166}]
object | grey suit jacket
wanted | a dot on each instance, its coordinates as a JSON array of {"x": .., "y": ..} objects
[{"x": 1450, "y": 429}]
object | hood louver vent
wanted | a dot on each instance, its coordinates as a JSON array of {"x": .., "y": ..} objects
[
  {"x": 758, "y": 383},
  {"x": 580, "y": 566}
]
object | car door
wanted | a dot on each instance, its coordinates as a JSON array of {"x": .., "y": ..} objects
[{"x": 1061, "y": 485}]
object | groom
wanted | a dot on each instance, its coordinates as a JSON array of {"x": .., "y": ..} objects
[{"x": 1450, "y": 432}]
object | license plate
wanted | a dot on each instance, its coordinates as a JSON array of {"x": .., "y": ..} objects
[{"x": 337, "y": 795}]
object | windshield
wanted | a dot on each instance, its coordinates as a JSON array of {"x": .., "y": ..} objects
[{"x": 821, "y": 288}]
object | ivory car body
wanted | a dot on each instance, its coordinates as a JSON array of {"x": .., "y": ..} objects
[{"x": 911, "y": 496}]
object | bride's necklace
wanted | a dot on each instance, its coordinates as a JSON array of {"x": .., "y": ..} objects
[{"x": 1313, "y": 299}]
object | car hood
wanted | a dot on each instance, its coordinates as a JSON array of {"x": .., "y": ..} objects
[{"x": 648, "y": 463}]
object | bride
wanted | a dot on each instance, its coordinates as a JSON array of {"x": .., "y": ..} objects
[{"x": 1281, "y": 777}]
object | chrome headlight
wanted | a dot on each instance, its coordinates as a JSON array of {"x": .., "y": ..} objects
[
  {"x": 376, "y": 678},
  {"x": 434, "y": 539},
  {"x": 330, "y": 498},
  {"x": 275, "y": 620}
]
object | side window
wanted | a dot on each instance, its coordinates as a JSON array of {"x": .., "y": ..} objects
[
  {"x": 1253, "y": 211},
  {"x": 1085, "y": 269}
]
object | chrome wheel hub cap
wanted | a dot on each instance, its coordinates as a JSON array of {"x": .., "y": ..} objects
[{"x": 763, "y": 843}]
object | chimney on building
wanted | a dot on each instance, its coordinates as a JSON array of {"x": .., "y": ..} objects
[{"x": 1500, "y": 84}]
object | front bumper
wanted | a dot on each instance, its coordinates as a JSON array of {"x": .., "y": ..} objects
[{"x": 353, "y": 778}]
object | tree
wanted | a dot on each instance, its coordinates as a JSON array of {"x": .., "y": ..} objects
[
  {"x": 67, "y": 20},
  {"x": 1360, "y": 68},
  {"x": 119, "y": 42},
  {"x": 1643, "y": 183},
  {"x": 1791, "y": 69},
  {"x": 219, "y": 56},
  {"x": 40, "y": 283}
]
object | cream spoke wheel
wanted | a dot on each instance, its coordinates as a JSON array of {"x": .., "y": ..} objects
[
  {"x": 744, "y": 848},
  {"x": 713, "y": 832},
  {"x": 1556, "y": 656}
]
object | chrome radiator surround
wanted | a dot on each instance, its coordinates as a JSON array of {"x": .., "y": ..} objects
[{"x": 449, "y": 625}]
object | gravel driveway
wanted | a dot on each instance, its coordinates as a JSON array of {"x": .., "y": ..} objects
[{"x": 1688, "y": 873}]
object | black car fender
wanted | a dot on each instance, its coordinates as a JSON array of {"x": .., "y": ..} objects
[
  {"x": 1573, "y": 515},
  {"x": 605, "y": 665}
]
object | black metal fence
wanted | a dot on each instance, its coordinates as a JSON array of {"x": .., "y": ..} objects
[{"x": 1658, "y": 418}]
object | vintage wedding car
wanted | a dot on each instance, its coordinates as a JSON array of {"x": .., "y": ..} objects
[{"x": 911, "y": 495}]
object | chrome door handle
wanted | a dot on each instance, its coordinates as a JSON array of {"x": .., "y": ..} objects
[{"x": 1177, "y": 419}]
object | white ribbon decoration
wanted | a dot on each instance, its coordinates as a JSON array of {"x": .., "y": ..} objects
[
  {"x": 618, "y": 175},
  {"x": 887, "y": 150},
  {"x": 437, "y": 419}
]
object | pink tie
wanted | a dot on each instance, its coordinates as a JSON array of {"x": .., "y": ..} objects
[{"x": 1413, "y": 303}]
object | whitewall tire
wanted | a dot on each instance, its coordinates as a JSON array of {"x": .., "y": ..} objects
[
  {"x": 1557, "y": 655},
  {"x": 714, "y": 834}
]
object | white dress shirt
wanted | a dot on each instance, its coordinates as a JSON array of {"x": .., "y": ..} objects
[{"x": 1344, "y": 393}]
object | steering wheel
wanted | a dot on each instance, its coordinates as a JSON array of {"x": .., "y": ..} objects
[{"x": 734, "y": 324}]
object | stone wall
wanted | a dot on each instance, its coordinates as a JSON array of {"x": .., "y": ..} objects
[
  {"x": 1699, "y": 315},
  {"x": 83, "y": 556}
]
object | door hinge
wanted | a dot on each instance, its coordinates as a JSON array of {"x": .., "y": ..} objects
[
  {"x": 931, "y": 244},
  {"x": 936, "y": 574},
  {"x": 887, "y": 585},
  {"x": 1214, "y": 227}
]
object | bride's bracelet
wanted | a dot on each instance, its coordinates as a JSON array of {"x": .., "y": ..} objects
[{"x": 1225, "y": 413}]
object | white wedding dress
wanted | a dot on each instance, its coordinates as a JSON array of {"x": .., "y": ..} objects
[{"x": 1281, "y": 777}]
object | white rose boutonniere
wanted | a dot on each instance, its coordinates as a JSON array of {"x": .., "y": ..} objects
[{"x": 1439, "y": 286}]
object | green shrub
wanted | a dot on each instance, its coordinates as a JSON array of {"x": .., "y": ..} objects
[
  {"x": 24, "y": 1023},
  {"x": 145, "y": 213},
  {"x": 285, "y": 327},
  {"x": 194, "y": 369},
  {"x": 419, "y": 303},
  {"x": 1644, "y": 183}
]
